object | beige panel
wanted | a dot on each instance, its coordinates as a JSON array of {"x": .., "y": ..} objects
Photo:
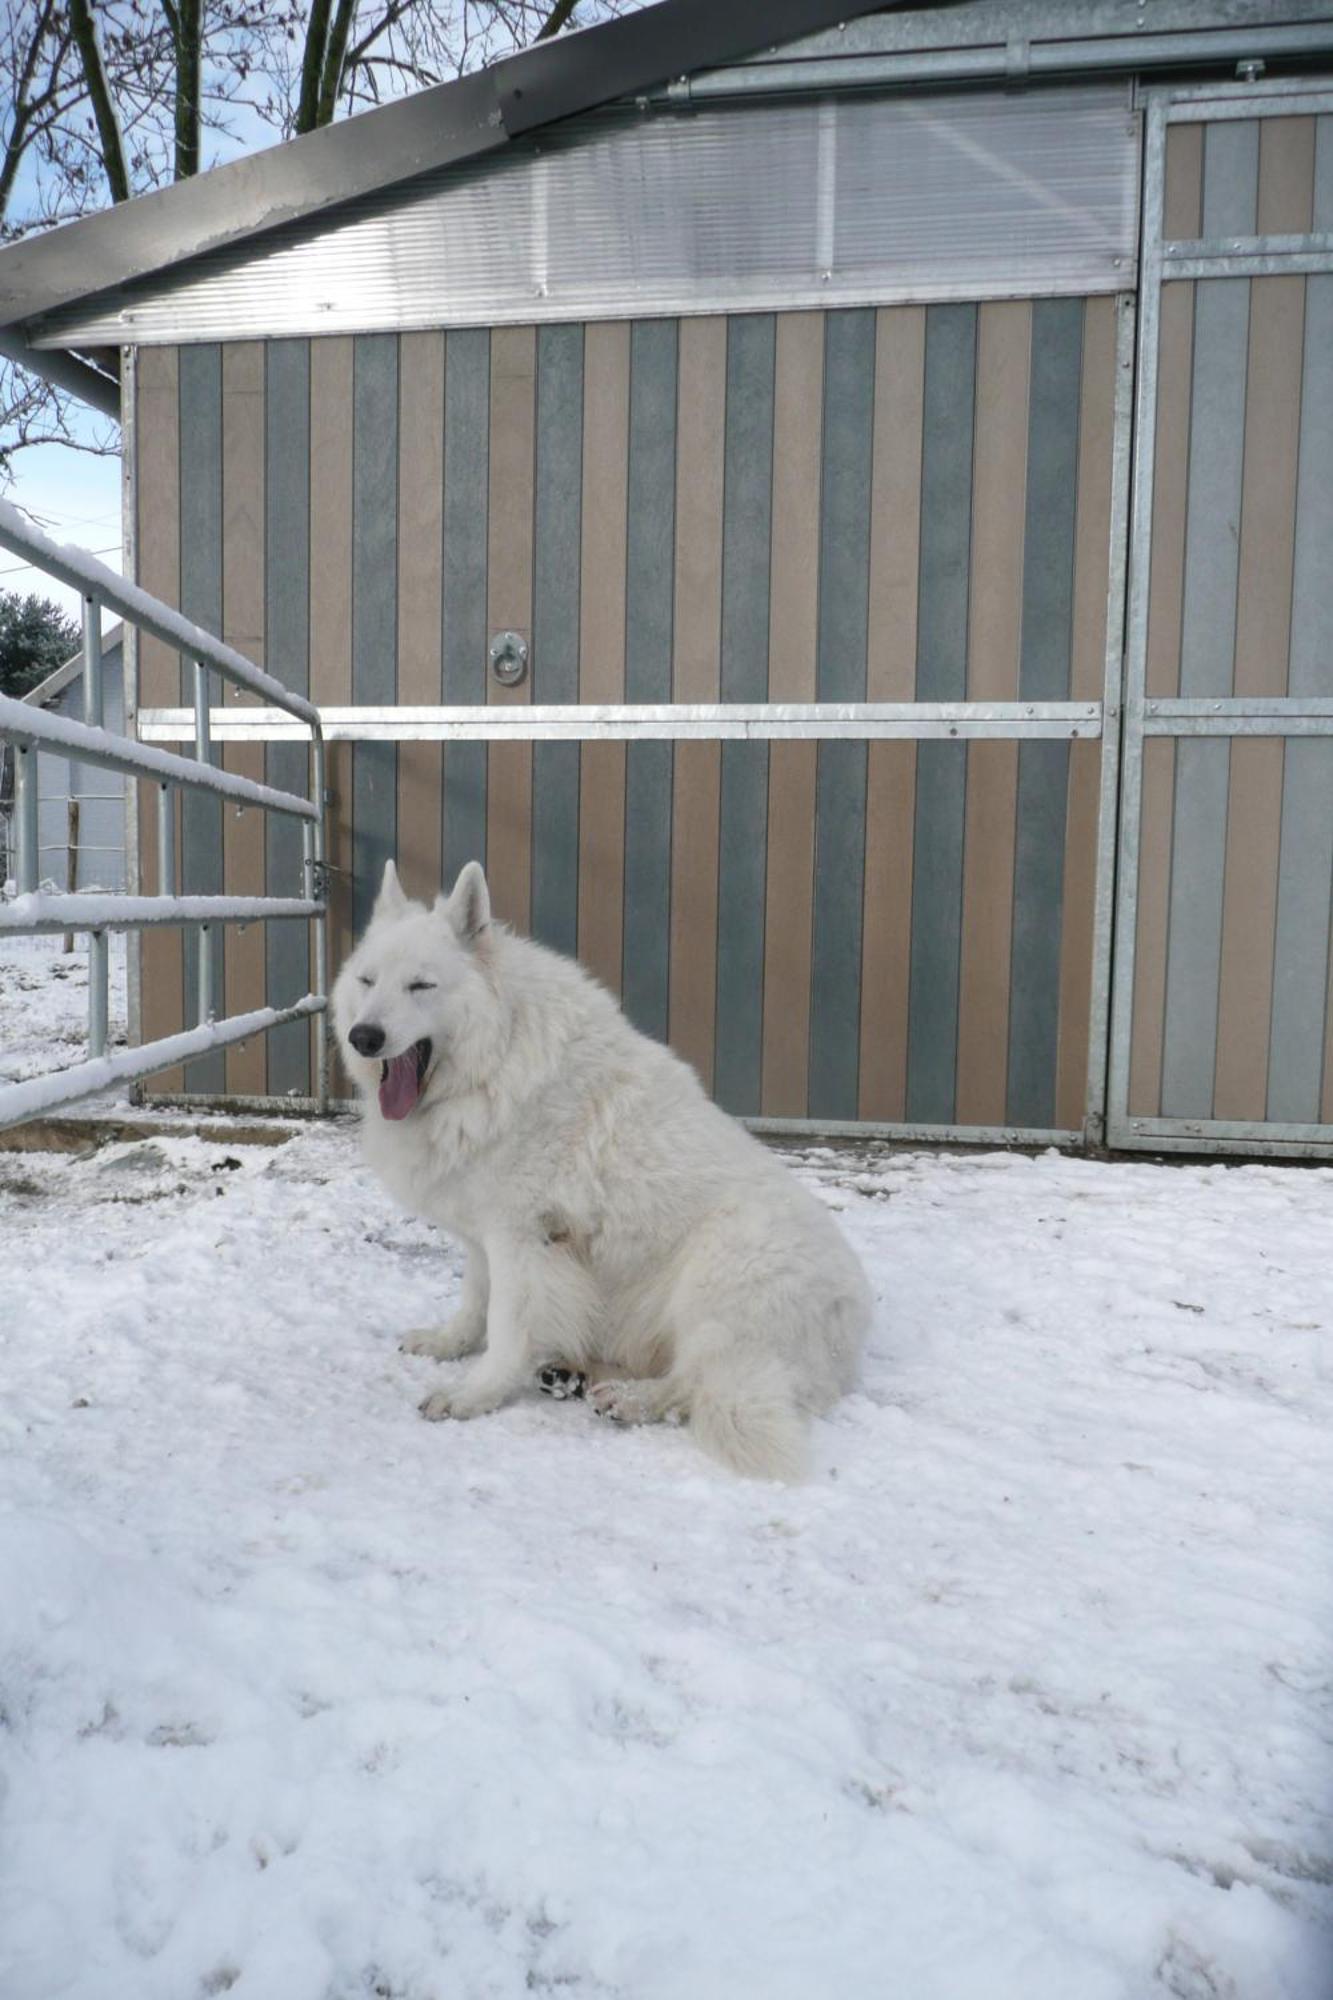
[
  {"x": 1092, "y": 542},
  {"x": 895, "y": 503},
  {"x": 420, "y": 564},
  {"x": 1080, "y": 898},
  {"x": 887, "y": 929},
  {"x": 509, "y": 608},
  {"x": 788, "y": 932},
  {"x": 696, "y": 676},
  {"x": 988, "y": 893},
  {"x": 1166, "y": 584},
  {"x": 1286, "y": 176},
  {"x": 1268, "y": 490},
  {"x": 602, "y": 645},
  {"x": 999, "y": 481},
  {"x": 331, "y": 602},
  {"x": 157, "y": 492},
  {"x": 243, "y": 627},
  {"x": 798, "y": 419},
  {"x": 1155, "y": 822},
  {"x": 694, "y": 852},
  {"x": 699, "y": 445},
  {"x": 798, "y": 415},
  {"x": 605, "y": 488},
  {"x": 1249, "y": 920},
  {"x": 1182, "y": 192}
]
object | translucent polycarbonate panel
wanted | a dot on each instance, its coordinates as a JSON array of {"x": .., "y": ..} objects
[{"x": 841, "y": 201}]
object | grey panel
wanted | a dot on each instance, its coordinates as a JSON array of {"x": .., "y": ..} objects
[
  {"x": 467, "y": 406},
  {"x": 835, "y": 1004},
  {"x": 201, "y": 601},
  {"x": 840, "y": 675},
  {"x": 649, "y": 593},
  {"x": 941, "y": 675},
  {"x": 974, "y": 195},
  {"x": 1217, "y": 420},
  {"x": 286, "y": 654},
  {"x": 1194, "y": 928},
  {"x": 557, "y": 541},
  {"x": 1043, "y": 675},
  {"x": 1300, "y": 958},
  {"x": 743, "y": 824},
  {"x": 374, "y": 608}
]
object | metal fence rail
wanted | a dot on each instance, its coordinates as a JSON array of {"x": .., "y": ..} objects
[{"x": 36, "y": 912}]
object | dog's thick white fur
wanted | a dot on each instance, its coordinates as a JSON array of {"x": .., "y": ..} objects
[{"x": 615, "y": 1221}]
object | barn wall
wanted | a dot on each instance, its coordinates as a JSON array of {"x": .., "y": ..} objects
[
  {"x": 1232, "y": 1000},
  {"x": 895, "y": 503}
]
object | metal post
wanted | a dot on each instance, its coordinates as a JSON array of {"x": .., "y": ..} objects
[
  {"x": 317, "y": 891},
  {"x": 97, "y": 993},
  {"x": 166, "y": 840},
  {"x": 94, "y": 714},
  {"x": 25, "y": 815},
  {"x": 203, "y": 742}
]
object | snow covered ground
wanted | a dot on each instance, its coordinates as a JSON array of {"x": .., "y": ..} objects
[
  {"x": 44, "y": 1003},
  {"x": 1025, "y": 1696}
]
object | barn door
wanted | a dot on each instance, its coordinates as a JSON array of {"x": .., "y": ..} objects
[{"x": 1222, "y": 1032}]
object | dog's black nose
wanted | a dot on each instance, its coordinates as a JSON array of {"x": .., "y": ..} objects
[{"x": 366, "y": 1041}]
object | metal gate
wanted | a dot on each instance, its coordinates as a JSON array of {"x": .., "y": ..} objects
[{"x": 1222, "y": 1029}]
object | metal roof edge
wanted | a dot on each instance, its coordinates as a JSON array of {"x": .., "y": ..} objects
[{"x": 465, "y": 118}]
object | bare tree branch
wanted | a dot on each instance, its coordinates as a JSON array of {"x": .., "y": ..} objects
[{"x": 104, "y": 111}]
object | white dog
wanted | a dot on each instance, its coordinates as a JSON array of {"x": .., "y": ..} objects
[{"x": 617, "y": 1225}]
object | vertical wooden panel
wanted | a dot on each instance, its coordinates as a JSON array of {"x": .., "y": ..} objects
[
  {"x": 1249, "y": 915},
  {"x": 467, "y": 400},
  {"x": 999, "y": 476},
  {"x": 696, "y": 676},
  {"x": 1075, "y": 998},
  {"x": 1189, "y": 1044},
  {"x": 798, "y": 381},
  {"x": 1268, "y": 495},
  {"x": 649, "y": 576},
  {"x": 1043, "y": 767},
  {"x": 243, "y": 627},
  {"x": 602, "y": 660},
  {"x": 420, "y": 597},
  {"x": 374, "y": 607},
  {"x": 286, "y": 654},
  {"x": 895, "y": 547},
  {"x": 941, "y": 675},
  {"x": 557, "y": 533},
  {"x": 1285, "y": 205},
  {"x": 1166, "y": 583},
  {"x": 157, "y": 540},
  {"x": 331, "y": 601},
  {"x": 1153, "y": 903},
  {"x": 201, "y": 600},
  {"x": 840, "y": 673},
  {"x": 743, "y": 805},
  {"x": 1092, "y": 535},
  {"x": 1182, "y": 203},
  {"x": 509, "y": 608}
]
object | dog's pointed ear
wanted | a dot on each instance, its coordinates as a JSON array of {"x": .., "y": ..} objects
[
  {"x": 390, "y": 902},
  {"x": 468, "y": 909}
]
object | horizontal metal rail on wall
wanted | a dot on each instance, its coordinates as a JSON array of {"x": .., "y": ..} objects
[
  {"x": 650, "y": 721},
  {"x": 37, "y": 912}
]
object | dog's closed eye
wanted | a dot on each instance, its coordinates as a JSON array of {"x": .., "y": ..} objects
[
  {"x": 365, "y": 979},
  {"x": 421, "y": 986}
]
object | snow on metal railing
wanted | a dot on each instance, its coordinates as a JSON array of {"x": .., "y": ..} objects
[
  {"x": 40, "y": 1094},
  {"x": 36, "y": 912}
]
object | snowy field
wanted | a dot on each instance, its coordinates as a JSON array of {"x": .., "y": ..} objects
[
  {"x": 44, "y": 1004},
  {"x": 1024, "y": 1696}
]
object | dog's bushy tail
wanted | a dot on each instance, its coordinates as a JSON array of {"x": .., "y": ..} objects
[{"x": 743, "y": 1413}]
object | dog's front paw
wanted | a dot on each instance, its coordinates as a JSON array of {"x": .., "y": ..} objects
[
  {"x": 620, "y": 1402},
  {"x": 449, "y": 1342},
  {"x": 457, "y": 1404}
]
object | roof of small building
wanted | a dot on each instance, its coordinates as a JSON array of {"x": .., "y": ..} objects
[
  {"x": 60, "y": 678},
  {"x": 306, "y": 180}
]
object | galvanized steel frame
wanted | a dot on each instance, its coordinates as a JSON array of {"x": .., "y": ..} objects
[
  {"x": 36, "y": 913},
  {"x": 1248, "y": 257}
]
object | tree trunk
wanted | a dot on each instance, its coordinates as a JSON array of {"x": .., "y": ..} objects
[
  {"x": 188, "y": 22},
  {"x": 111, "y": 144}
]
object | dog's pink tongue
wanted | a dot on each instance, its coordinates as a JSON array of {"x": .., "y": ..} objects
[{"x": 398, "y": 1089}]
